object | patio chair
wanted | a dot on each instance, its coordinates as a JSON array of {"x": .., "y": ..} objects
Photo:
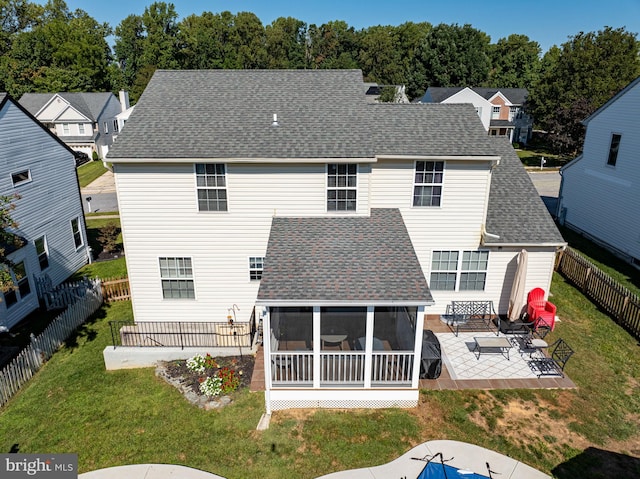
[
  {"x": 555, "y": 363},
  {"x": 538, "y": 308},
  {"x": 534, "y": 340}
]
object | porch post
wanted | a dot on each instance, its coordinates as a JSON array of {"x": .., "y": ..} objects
[
  {"x": 368, "y": 348},
  {"x": 266, "y": 346},
  {"x": 417, "y": 348},
  {"x": 316, "y": 347}
]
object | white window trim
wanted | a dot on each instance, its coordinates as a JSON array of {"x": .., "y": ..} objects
[
  {"x": 81, "y": 129},
  {"x": 73, "y": 233},
  {"x": 255, "y": 270},
  {"x": 16, "y": 283},
  {"x": 192, "y": 279},
  {"x": 66, "y": 129},
  {"x": 21, "y": 182},
  {"x": 352, "y": 188},
  {"x": 226, "y": 188},
  {"x": 414, "y": 184},
  {"x": 106, "y": 127},
  {"x": 46, "y": 251},
  {"x": 459, "y": 269}
]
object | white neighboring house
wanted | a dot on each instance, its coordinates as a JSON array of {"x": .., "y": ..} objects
[
  {"x": 600, "y": 189},
  {"x": 40, "y": 168},
  {"x": 500, "y": 109},
  {"x": 86, "y": 122},
  {"x": 339, "y": 222}
]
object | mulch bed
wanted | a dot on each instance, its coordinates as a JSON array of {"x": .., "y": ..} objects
[{"x": 178, "y": 369}]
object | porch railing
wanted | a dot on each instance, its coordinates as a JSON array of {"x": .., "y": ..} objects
[
  {"x": 341, "y": 368},
  {"x": 182, "y": 334}
]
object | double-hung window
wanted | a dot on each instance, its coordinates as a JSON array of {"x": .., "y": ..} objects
[
  {"x": 452, "y": 271},
  {"x": 613, "y": 149},
  {"x": 81, "y": 128},
  {"x": 41, "y": 250},
  {"x": 177, "y": 278},
  {"x": 342, "y": 186},
  {"x": 66, "y": 130},
  {"x": 77, "y": 234},
  {"x": 256, "y": 265},
  {"x": 495, "y": 112},
  {"x": 21, "y": 287},
  {"x": 427, "y": 189},
  {"x": 211, "y": 184}
]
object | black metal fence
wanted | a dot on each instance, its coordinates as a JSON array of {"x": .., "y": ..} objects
[{"x": 182, "y": 334}]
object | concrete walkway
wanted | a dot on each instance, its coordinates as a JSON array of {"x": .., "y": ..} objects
[
  {"x": 102, "y": 184},
  {"x": 460, "y": 455}
]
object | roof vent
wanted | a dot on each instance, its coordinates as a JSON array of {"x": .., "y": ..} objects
[{"x": 275, "y": 120}]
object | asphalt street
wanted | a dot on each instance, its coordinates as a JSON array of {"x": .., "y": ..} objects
[{"x": 548, "y": 185}]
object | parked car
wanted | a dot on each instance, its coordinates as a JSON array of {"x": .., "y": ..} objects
[{"x": 81, "y": 158}]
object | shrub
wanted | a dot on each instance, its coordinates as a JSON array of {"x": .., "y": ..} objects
[{"x": 95, "y": 156}]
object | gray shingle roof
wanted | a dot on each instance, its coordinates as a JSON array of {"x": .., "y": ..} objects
[
  {"x": 343, "y": 259},
  {"x": 89, "y": 104},
  {"x": 516, "y": 213},
  {"x": 321, "y": 114},
  {"x": 517, "y": 96}
]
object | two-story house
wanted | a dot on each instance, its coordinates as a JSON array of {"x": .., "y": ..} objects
[
  {"x": 40, "y": 169},
  {"x": 609, "y": 167},
  {"x": 340, "y": 222},
  {"x": 86, "y": 122},
  {"x": 500, "y": 109}
]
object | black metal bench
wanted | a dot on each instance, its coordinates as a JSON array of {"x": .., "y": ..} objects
[
  {"x": 472, "y": 316},
  {"x": 555, "y": 363}
]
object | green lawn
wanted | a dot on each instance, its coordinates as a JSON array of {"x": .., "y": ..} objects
[
  {"x": 130, "y": 416},
  {"x": 532, "y": 158},
  {"x": 89, "y": 172}
]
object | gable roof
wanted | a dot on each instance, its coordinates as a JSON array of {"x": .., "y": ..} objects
[
  {"x": 332, "y": 260},
  {"x": 5, "y": 97},
  {"x": 90, "y": 105},
  {"x": 516, "y": 213},
  {"x": 320, "y": 114},
  {"x": 516, "y": 96}
]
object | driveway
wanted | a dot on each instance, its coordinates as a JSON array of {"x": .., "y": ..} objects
[{"x": 548, "y": 185}]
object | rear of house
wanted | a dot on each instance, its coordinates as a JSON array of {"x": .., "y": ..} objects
[
  {"x": 40, "y": 169},
  {"x": 337, "y": 223}
]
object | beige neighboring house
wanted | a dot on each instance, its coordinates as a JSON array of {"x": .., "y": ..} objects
[{"x": 86, "y": 122}]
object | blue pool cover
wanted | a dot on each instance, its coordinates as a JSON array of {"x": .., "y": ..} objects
[{"x": 437, "y": 470}]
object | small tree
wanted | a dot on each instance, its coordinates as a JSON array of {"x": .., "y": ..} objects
[
  {"x": 8, "y": 241},
  {"x": 108, "y": 237}
]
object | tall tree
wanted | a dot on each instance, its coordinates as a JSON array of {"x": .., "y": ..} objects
[
  {"x": 380, "y": 55},
  {"x": 332, "y": 45},
  {"x": 159, "y": 46},
  {"x": 128, "y": 47},
  {"x": 452, "y": 55},
  {"x": 515, "y": 62},
  {"x": 286, "y": 43},
  {"x": 582, "y": 75},
  {"x": 249, "y": 41}
]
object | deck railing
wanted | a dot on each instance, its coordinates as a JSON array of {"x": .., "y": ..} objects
[{"x": 341, "y": 368}]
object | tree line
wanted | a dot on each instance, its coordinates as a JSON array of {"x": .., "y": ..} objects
[{"x": 46, "y": 48}]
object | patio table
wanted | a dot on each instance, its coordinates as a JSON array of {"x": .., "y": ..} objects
[{"x": 491, "y": 344}]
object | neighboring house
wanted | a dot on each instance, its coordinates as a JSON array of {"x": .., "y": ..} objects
[
  {"x": 40, "y": 168},
  {"x": 339, "y": 222},
  {"x": 373, "y": 91},
  {"x": 600, "y": 190},
  {"x": 86, "y": 122},
  {"x": 501, "y": 110}
]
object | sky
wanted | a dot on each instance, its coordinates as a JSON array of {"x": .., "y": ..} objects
[{"x": 548, "y": 22}]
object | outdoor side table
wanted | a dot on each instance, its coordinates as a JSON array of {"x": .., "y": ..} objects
[{"x": 492, "y": 345}]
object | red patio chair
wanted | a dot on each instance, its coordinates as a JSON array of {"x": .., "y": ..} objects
[{"x": 539, "y": 309}]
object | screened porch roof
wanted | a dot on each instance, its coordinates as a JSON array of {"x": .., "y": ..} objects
[{"x": 342, "y": 260}]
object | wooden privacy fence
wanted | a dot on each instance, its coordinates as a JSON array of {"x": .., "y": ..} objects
[
  {"x": 30, "y": 359},
  {"x": 613, "y": 298},
  {"x": 116, "y": 289}
]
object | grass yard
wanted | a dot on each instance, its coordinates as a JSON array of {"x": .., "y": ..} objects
[
  {"x": 89, "y": 172},
  {"x": 122, "y": 417},
  {"x": 532, "y": 158}
]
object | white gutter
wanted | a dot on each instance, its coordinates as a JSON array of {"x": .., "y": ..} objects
[
  {"x": 315, "y": 302},
  {"x": 241, "y": 160}
]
